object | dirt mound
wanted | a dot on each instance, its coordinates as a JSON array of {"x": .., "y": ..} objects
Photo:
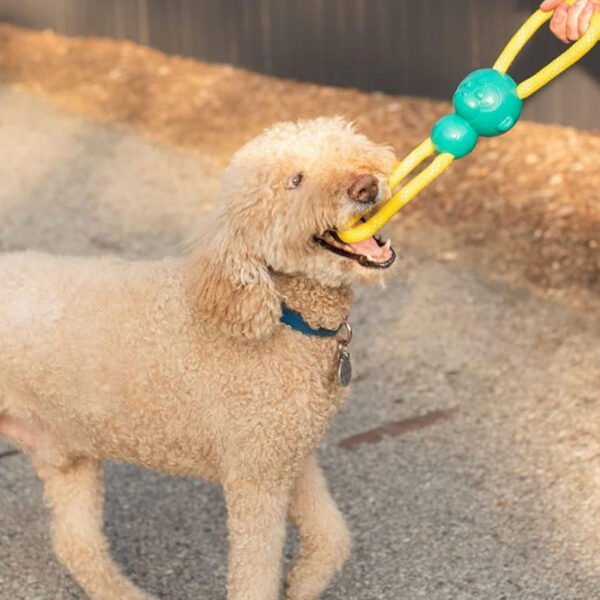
[{"x": 525, "y": 206}]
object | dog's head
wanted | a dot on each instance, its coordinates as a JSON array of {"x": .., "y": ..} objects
[{"x": 284, "y": 196}]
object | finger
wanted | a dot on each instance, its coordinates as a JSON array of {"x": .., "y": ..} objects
[
  {"x": 573, "y": 19},
  {"x": 585, "y": 18},
  {"x": 558, "y": 25},
  {"x": 549, "y": 5}
]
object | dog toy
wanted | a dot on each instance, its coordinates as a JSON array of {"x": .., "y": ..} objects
[{"x": 487, "y": 103}]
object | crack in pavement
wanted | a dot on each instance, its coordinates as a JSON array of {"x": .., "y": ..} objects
[
  {"x": 395, "y": 428},
  {"x": 8, "y": 453}
]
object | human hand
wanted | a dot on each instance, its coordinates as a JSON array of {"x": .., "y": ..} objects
[{"x": 569, "y": 23}]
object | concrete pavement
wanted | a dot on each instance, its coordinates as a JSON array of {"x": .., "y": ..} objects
[{"x": 497, "y": 499}]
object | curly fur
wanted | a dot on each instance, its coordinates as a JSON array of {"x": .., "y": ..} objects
[{"x": 182, "y": 365}]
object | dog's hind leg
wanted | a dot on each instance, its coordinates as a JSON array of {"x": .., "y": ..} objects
[
  {"x": 324, "y": 536},
  {"x": 256, "y": 522},
  {"x": 75, "y": 493}
]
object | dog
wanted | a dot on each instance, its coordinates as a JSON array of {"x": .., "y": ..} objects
[{"x": 187, "y": 365}]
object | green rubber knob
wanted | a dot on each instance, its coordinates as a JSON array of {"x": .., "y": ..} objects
[
  {"x": 488, "y": 101},
  {"x": 454, "y": 135}
]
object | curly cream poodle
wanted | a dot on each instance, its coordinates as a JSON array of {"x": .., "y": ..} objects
[{"x": 222, "y": 363}]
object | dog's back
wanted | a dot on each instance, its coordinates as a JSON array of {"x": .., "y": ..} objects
[{"x": 90, "y": 347}]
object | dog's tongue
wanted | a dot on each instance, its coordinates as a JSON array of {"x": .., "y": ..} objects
[{"x": 371, "y": 247}]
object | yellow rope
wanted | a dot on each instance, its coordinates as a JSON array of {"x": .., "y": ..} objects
[
  {"x": 518, "y": 41},
  {"x": 411, "y": 162},
  {"x": 357, "y": 233},
  {"x": 402, "y": 197},
  {"x": 561, "y": 63}
]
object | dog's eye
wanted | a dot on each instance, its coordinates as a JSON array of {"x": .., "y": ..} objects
[{"x": 294, "y": 182}]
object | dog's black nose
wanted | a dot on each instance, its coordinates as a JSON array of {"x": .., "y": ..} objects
[{"x": 364, "y": 189}]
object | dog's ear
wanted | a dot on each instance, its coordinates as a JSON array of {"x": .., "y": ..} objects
[{"x": 232, "y": 289}]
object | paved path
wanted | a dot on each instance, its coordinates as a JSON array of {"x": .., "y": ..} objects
[{"x": 467, "y": 461}]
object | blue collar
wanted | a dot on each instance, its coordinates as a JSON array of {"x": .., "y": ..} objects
[{"x": 294, "y": 319}]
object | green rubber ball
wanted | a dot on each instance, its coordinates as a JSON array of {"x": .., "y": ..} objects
[
  {"x": 488, "y": 101},
  {"x": 454, "y": 135}
]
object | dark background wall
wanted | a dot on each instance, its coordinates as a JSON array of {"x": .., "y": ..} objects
[{"x": 416, "y": 47}]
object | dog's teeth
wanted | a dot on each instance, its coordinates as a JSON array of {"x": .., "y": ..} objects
[
  {"x": 387, "y": 244},
  {"x": 369, "y": 257}
]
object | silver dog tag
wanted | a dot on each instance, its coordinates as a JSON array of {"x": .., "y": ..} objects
[{"x": 344, "y": 367}]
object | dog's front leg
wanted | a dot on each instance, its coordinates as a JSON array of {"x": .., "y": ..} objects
[
  {"x": 324, "y": 537},
  {"x": 256, "y": 524}
]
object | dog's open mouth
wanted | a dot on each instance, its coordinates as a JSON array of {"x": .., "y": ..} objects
[{"x": 372, "y": 253}]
